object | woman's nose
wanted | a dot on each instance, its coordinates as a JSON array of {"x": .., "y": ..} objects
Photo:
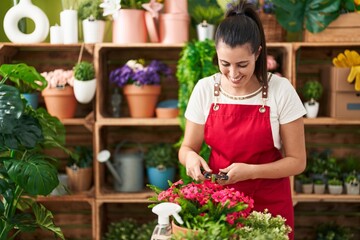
[{"x": 233, "y": 71}]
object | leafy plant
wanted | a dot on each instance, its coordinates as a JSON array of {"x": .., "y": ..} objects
[
  {"x": 211, "y": 14},
  {"x": 90, "y": 9},
  {"x": 313, "y": 15},
  {"x": 129, "y": 229},
  {"x": 312, "y": 90},
  {"x": 161, "y": 155},
  {"x": 25, "y": 171},
  {"x": 84, "y": 71},
  {"x": 82, "y": 157},
  {"x": 332, "y": 231},
  {"x": 319, "y": 181},
  {"x": 352, "y": 179},
  {"x": 335, "y": 182},
  {"x": 196, "y": 61}
]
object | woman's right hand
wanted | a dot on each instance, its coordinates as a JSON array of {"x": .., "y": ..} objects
[{"x": 193, "y": 164}]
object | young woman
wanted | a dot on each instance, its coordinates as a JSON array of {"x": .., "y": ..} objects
[{"x": 251, "y": 119}]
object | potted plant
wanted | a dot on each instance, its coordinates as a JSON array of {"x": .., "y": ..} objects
[
  {"x": 161, "y": 161},
  {"x": 335, "y": 186},
  {"x": 25, "y": 171},
  {"x": 312, "y": 92},
  {"x": 129, "y": 229},
  {"x": 84, "y": 81},
  {"x": 59, "y": 95},
  {"x": 352, "y": 184},
  {"x": 206, "y": 18},
  {"x": 307, "y": 185},
  {"x": 93, "y": 20},
  {"x": 319, "y": 186},
  {"x": 331, "y": 230},
  {"x": 141, "y": 85},
  {"x": 208, "y": 204},
  {"x": 80, "y": 169}
]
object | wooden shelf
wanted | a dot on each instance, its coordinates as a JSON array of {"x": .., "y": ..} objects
[
  {"x": 297, "y": 197},
  {"x": 137, "y": 122},
  {"x": 109, "y": 195},
  {"x": 330, "y": 121}
]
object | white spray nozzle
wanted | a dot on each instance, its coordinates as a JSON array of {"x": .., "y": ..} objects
[{"x": 165, "y": 210}]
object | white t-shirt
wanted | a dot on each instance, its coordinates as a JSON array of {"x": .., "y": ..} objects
[{"x": 284, "y": 102}]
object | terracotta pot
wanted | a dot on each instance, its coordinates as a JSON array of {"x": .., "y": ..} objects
[
  {"x": 174, "y": 28},
  {"x": 167, "y": 112},
  {"x": 176, "y": 6},
  {"x": 181, "y": 231},
  {"x": 60, "y": 102},
  {"x": 129, "y": 27},
  {"x": 79, "y": 179},
  {"x": 142, "y": 100}
]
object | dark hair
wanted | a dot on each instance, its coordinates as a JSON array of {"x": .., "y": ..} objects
[{"x": 242, "y": 25}]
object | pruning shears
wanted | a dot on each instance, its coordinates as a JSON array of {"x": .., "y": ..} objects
[{"x": 214, "y": 176}]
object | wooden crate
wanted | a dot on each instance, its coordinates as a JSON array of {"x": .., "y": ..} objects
[
  {"x": 274, "y": 32},
  {"x": 346, "y": 28}
]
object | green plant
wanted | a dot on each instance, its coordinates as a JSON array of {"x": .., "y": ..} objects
[
  {"x": 319, "y": 182},
  {"x": 313, "y": 15},
  {"x": 312, "y": 90},
  {"x": 129, "y": 229},
  {"x": 335, "y": 182},
  {"x": 82, "y": 158},
  {"x": 332, "y": 231},
  {"x": 84, "y": 71},
  {"x": 90, "y": 9},
  {"x": 161, "y": 155},
  {"x": 196, "y": 61},
  {"x": 25, "y": 172},
  {"x": 304, "y": 179},
  {"x": 211, "y": 14},
  {"x": 352, "y": 179}
]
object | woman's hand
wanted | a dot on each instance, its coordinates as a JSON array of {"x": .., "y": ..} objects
[
  {"x": 237, "y": 172},
  {"x": 193, "y": 164}
]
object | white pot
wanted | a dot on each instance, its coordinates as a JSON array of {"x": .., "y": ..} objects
[
  {"x": 307, "y": 188},
  {"x": 352, "y": 189},
  {"x": 319, "y": 188},
  {"x": 311, "y": 109},
  {"x": 93, "y": 31},
  {"x": 84, "y": 90},
  {"x": 335, "y": 190},
  {"x": 205, "y": 31}
]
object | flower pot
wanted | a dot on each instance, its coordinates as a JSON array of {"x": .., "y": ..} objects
[
  {"x": 159, "y": 176},
  {"x": 307, "y": 188},
  {"x": 142, "y": 100},
  {"x": 167, "y": 112},
  {"x": 335, "y": 189},
  {"x": 176, "y": 6},
  {"x": 60, "y": 102},
  {"x": 311, "y": 109},
  {"x": 129, "y": 27},
  {"x": 84, "y": 91},
  {"x": 32, "y": 99},
  {"x": 352, "y": 189},
  {"x": 177, "y": 230},
  {"x": 62, "y": 188},
  {"x": 319, "y": 188},
  {"x": 93, "y": 30},
  {"x": 205, "y": 31},
  {"x": 174, "y": 28},
  {"x": 79, "y": 179}
]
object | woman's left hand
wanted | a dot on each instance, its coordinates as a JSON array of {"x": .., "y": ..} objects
[{"x": 237, "y": 172}]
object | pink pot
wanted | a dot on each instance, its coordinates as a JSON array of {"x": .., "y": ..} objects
[
  {"x": 174, "y": 28},
  {"x": 176, "y": 6},
  {"x": 130, "y": 27}
]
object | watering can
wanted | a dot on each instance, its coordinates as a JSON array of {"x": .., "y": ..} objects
[{"x": 127, "y": 168}]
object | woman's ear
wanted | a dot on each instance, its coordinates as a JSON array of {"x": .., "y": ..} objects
[{"x": 258, "y": 53}]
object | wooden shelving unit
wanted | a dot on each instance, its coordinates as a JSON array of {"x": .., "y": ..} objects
[{"x": 298, "y": 61}]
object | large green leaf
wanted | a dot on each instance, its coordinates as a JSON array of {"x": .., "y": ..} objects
[
  {"x": 34, "y": 174},
  {"x": 23, "y": 76},
  {"x": 11, "y": 107},
  {"x": 290, "y": 14},
  {"x": 44, "y": 220}
]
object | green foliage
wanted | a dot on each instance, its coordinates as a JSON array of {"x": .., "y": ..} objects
[
  {"x": 129, "y": 229},
  {"x": 335, "y": 182},
  {"x": 161, "y": 155},
  {"x": 332, "y": 231},
  {"x": 211, "y": 14},
  {"x": 90, "y": 8},
  {"x": 196, "y": 61},
  {"x": 313, "y": 15},
  {"x": 82, "y": 157},
  {"x": 84, "y": 71},
  {"x": 312, "y": 90},
  {"x": 24, "y": 169}
]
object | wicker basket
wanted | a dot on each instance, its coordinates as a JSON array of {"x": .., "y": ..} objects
[{"x": 273, "y": 30}]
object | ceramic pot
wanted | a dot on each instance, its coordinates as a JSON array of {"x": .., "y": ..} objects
[
  {"x": 319, "y": 188},
  {"x": 177, "y": 230},
  {"x": 32, "y": 99},
  {"x": 159, "y": 176},
  {"x": 93, "y": 30},
  {"x": 142, "y": 99},
  {"x": 205, "y": 31},
  {"x": 352, "y": 189},
  {"x": 84, "y": 91},
  {"x": 311, "y": 109},
  {"x": 174, "y": 28},
  {"x": 129, "y": 27},
  {"x": 176, "y": 6},
  {"x": 60, "y": 102},
  {"x": 167, "y": 112},
  {"x": 79, "y": 179},
  {"x": 335, "y": 190},
  {"x": 307, "y": 188}
]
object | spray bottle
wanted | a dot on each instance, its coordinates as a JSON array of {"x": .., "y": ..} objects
[{"x": 162, "y": 230}]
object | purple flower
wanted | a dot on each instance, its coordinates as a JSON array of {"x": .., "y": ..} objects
[{"x": 133, "y": 72}]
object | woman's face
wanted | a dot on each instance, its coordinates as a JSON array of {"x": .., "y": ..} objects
[{"x": 236, "y": 64}]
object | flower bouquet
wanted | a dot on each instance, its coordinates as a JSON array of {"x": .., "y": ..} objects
[
  {"x": 141, "y": 85},
  {"x": 213, "y": 211}
]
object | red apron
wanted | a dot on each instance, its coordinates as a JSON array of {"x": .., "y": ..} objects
[{"x": 242, "y": 133}]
